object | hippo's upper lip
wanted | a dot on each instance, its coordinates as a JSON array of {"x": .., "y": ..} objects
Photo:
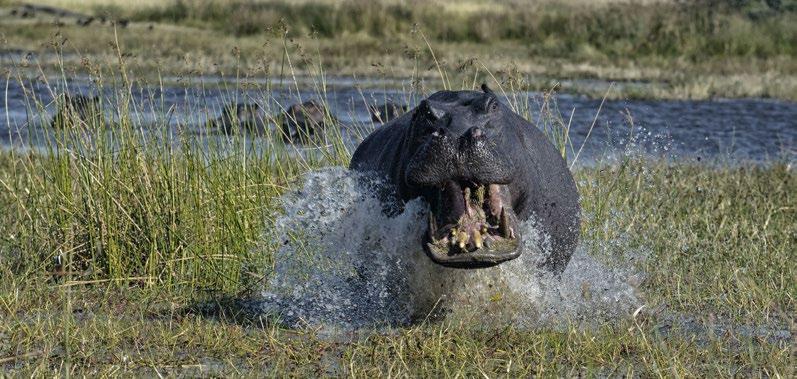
[{"x": 475, "y": 228}]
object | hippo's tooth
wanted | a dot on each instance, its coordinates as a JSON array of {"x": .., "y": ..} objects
[
  {"x": 503, "y": 226},
  {"x": 494, "y": 199},
  {"x": 477, "y": 239},
  {"x": 463, "y": 239},
  {"x": 484, "y": 229},
  {"x": 432, "y": 225},
  {"x": 466, "y": 196}
]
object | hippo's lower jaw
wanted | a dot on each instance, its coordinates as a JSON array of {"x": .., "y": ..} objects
[{"x": 484, "y": 233}]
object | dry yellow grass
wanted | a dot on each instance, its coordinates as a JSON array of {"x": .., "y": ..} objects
[
  {"x": 87, "y": 5},
  {"x": 466, "y": 6},
  {"x": 543, "y": 41}
]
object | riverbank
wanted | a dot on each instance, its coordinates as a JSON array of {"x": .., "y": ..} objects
[{"x": 694, "y": 53}]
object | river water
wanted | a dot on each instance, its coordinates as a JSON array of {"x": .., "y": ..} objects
[{"x": 740, "y": 129}]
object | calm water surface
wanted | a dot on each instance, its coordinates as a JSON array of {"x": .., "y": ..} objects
[{"x": 743, "y": 129}]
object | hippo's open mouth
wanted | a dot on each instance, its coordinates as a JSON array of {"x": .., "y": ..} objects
[{"x": 471, "y": 226}]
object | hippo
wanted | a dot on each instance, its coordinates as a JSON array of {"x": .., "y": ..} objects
[
  {"x": 385, "y": 112},
  {"x": 482, "y": 170},
  {"x": 76, "y": 110},
  {"x": 242, "y": 116},
  {"x": 85, "y": 21},
  {"x": 304, "y": 122},
  {"x": 31, "y": 10}
]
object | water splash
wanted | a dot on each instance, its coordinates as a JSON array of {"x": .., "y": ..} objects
[{"x": 344, "y": 263}]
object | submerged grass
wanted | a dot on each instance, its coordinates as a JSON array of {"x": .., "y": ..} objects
[{"x": 110, "y": 238}]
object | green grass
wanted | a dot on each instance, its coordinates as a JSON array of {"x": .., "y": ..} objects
[
  {"x": 147, "y": 231},
  {"x": 713, "y": 261},
  {"x": 667, "y": 29},
  {"x": 146, "y": 333},
  {"x": 720, "y": 236}
]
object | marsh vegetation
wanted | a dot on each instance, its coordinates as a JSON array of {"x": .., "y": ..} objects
[
  {"x": 661, "y": 49},
  {"x": 124, "y": 247}
]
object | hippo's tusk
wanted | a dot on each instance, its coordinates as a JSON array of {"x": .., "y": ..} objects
[
  {"x": 432, "y": 224},
  {"x": 466, "y": 197},
  {"x": 494, "y": 199},
  {"x": 503, "y": 226}
]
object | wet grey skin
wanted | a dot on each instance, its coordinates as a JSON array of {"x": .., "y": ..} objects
[
  {"x": 77, "y": 110},
  {"x": 304, "y": 123},
  {"x": 382, "y": 113},
  {"x": 242, "y": 117},
  {"x": 482, "y": 169}
]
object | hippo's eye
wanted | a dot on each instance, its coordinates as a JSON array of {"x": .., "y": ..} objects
[
  {"x": 491, "y": 105},
  {"x": 433, "y": 129}
]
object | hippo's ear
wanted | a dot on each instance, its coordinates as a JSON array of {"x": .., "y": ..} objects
[
  {"x": 313, "y": 103},
  {"x": 487, "y": 90},
  {"x": 425, "y": 109}
]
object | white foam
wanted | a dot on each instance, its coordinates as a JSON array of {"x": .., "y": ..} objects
[{"x": 344, "y": 263}]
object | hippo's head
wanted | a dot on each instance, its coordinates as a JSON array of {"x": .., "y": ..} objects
[
  {"x": 385, "y": 112},
  {"x": 247, "y": 112},
  {"x": 76, "y": 110},
  {"x": 248, "y": 117},
  {"x": 83, "y": 106},
  {"x": 243, "y": 113},
  {"x": 461, "y": 166},
  {"x": 303, "y": 122}
]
